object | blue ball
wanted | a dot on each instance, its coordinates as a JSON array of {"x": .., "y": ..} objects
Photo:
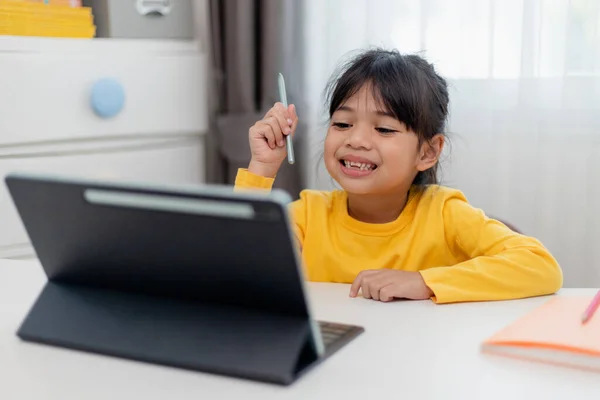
[{"x": 107, "y": 98}]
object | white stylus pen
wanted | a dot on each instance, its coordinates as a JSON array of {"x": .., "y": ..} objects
[{"x": 288, "y": 138}]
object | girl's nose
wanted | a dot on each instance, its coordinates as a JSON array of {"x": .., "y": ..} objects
[{"x": 359, "y": 138}]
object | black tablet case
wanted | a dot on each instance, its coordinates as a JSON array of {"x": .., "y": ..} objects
[{"x": 214, "y": 294}]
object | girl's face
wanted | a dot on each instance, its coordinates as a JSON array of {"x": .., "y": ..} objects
[{"x": 368, "y": 151}]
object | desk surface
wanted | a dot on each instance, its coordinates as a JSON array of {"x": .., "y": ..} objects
[{"x": 409, "y": 350}]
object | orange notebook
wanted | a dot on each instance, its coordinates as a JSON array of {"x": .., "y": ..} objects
[{"x": 552, "y": 333}]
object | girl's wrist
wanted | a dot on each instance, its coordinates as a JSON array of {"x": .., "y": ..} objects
[{"x": 262, "y": 169}]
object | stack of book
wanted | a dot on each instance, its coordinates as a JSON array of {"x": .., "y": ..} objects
[{"x": 53, "y": 18}]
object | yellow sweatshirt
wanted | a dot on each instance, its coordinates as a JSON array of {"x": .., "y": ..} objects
[{"x": 461, "y": 254}]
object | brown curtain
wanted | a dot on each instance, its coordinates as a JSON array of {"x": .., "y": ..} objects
[{"x": 252, "y": 40}]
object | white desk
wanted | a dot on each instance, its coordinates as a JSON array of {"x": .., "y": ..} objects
[{"x": 410, "y": 350}]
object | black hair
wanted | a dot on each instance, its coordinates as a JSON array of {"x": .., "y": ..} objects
[{"x": 405, "y": 85}]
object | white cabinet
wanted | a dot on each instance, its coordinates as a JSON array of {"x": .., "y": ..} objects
[
  {"x": 45, "y": 88},
  {"x": 47, "y": 123}
]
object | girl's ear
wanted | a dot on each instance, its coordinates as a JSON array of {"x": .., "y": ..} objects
[{"x": 430, "y": 152}]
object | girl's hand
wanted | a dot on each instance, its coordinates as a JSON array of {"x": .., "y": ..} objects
[
  {"x": 267, "y": 139},
  {"x": 388, "y": 284}
]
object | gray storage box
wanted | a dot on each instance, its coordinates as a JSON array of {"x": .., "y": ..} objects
[{"x": 143, "y": 19}]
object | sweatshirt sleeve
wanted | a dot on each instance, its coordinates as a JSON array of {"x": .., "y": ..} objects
[
  {"x": 500, "y": 264},
  {"x": 246, "y": 180}
]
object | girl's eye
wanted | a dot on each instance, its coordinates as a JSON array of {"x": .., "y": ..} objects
[
  {"x": 385, "y": 131},
  {"x": 341, "y": 125}
]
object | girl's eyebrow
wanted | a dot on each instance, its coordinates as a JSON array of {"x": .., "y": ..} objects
[
  {"x": 345, "y": 108},
  {"x": 382, "y": 113}
]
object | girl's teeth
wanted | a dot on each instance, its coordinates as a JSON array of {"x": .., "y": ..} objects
[{"x": 360, "y": 166}]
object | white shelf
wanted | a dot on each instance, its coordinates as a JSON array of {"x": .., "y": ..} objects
[{"x": 96, "y": 46}]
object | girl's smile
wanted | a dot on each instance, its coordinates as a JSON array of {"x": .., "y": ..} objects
[{"x": 356, "y": 166}]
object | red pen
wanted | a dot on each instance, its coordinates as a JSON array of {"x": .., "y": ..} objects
[{"x": 591, "y": 309}]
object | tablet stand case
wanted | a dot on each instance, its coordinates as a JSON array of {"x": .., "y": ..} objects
[
  {"x": 211, "y": 338},
  {"x": 128, "y": 282}
]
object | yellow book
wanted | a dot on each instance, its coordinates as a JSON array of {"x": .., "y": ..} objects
[
  {"x": 20, "y": 19},
  {"x": 67, "y": 32},
  {"x": 39, "y": 8},
  {"x": 34, "y": 18},
  {"x": 69, "y": 3}
]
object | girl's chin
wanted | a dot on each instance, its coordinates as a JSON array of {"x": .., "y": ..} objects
[{"x": 353, "y": 186}]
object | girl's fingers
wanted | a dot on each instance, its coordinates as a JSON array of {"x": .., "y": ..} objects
[
  {"x": 386, "y": 293},
  {"x": 355, "y": 287},
  {"x": 280, "y": 113},
  {"x": 374, "y": 289},
  {"x": 267, "y": 131},
  {"x": 278, "y": 135},
  {"x": 377, "y": 284},
  {"x": 366, "y": 290},
  {"x": 357, "y": 284},
  {"x": 292, "y": 110}
]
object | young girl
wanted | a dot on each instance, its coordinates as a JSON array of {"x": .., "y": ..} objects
[{"x": 392, "y": 231}]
